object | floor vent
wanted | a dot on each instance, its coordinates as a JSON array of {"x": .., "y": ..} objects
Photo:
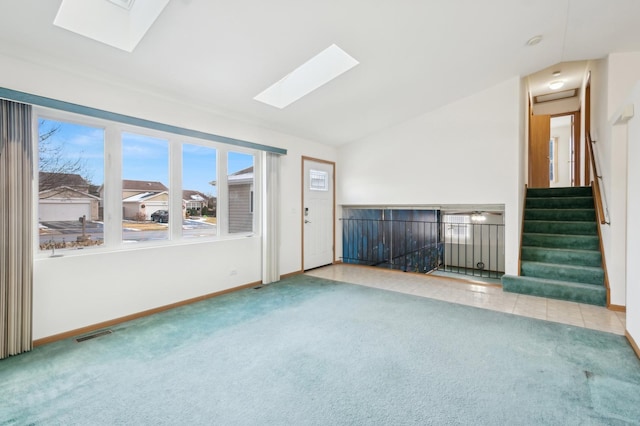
[{"x": 93, "y": 335}]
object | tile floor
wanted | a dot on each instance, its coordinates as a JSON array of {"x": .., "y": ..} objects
[{"x": 478, "y": 294}]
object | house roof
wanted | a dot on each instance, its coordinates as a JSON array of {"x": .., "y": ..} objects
[
  {"x": 248, "y": 170},
  {"x": 50, "y": 180},
  {"x": 191, "y": 195},
  {"x": 414, "y": 55},
  {"x": 145, "y": 196},
  {"x": 68, "y": 192},
  {"x": 143, "y": 185}
]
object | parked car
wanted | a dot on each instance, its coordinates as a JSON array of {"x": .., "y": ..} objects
[{"x": 160, "y": 216}]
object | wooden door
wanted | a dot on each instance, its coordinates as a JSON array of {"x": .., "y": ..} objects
[{"x": 539, "y": 135}]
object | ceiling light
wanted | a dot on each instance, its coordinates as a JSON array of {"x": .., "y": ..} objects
[
  {"x": 317, "y": 71},
  {"x": 555, "y": 85},
  {"x": 478, "y": 217},
  {"x": 534, "y": 40},
  {"x": 555, "y": 96}
]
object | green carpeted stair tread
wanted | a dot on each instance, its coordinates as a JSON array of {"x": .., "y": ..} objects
[
  {"x": 580, "y": 274},
  {"x": 562, "y": 256},
  {"x": 559, "y": 227},
  {"x": 576, "y": 191},
  {"x": 555, "y": 289},
  {"x": 559, "y": 203},
  {"x": 568, "y": 215},
  {"x": 581, "y": 242}
]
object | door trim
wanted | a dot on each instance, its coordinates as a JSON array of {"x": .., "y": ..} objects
[{"x": 333, "y": 203}]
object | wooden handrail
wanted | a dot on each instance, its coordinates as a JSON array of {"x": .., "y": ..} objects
[{"x": 597, "y": 194}]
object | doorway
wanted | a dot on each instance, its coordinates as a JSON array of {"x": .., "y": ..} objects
[
  {"x": 561, "y": 151},
  {"x": 318, "y": 213},
  {"x": 554, "y": 150}
]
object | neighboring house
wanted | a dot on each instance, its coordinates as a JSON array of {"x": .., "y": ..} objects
[
  {"x": 65, "y": 197},
  {"x": 141, "y": 196},
  {"x": 241, "y": 200},
  {"x": 193, "y": 200},
  {"x": 146, "y": 203},
  {"x": 66, "y": 204},
  {"x": 135, "y": 187}
]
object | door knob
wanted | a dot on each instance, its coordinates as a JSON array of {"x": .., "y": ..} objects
[{"x": 307, "y": 221}]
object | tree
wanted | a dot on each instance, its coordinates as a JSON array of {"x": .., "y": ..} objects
[{"x": 56, "y": 167}]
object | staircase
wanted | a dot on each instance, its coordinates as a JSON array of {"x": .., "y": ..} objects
[{"x": 560, "y": 255}]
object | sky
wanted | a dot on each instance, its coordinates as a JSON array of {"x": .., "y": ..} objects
[{"x": 144, "y": 157}]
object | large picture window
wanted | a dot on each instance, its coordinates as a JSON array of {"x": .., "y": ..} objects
[
  {"x": 145, "y": 190},
  {"x": 70, "y": 173},
  {"x": 107, "y": 185},
  {"x": 240, "y": 183},
  {"x": 199, "y": 195}
]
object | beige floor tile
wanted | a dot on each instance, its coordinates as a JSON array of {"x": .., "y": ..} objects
[{"x": 475, "y": 294}]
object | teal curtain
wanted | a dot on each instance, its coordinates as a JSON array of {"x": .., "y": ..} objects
[{"x": 16, "y": 228}]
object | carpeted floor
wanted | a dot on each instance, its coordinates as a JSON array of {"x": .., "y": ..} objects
[{"x": 308, "y": 351}]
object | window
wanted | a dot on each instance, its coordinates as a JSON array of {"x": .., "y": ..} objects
[
  {"x": 553, "y": 159},
  {"x": 318, "y": 180},
  {"x": 457, "y": 228},
  {"x": 71, "y": 173},
  {"x": 240, "y": 182},
  {"x": 164, "y": 187},
  {"x": 145, "y": 191},
  {"x": 199, "y": 200}
]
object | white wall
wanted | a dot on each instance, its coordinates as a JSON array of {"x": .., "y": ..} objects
[
  {"x": 64, "y": 296},
  {"x": 624, "y": 72},
  {"x": 633, "y": 211},
  {"x": 611, "y": 81},
  {"x": 467, "y": 152}
]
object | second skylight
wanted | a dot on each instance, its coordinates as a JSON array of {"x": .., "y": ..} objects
[{"x": 317, "y": 71}]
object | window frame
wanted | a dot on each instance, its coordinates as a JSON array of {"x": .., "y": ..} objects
[{"x": 112, "y": 202}]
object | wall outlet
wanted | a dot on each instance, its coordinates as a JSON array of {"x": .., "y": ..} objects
[{"x": 233, "y": 272}]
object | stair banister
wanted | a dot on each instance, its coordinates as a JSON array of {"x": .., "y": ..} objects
[{"x": 599, "y": 194}]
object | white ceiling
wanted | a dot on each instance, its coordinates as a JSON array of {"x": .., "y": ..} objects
[{"x": 415, "y": 55}]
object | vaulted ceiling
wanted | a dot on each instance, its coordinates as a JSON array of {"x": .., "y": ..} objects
[{"x": 415, "y": 55}]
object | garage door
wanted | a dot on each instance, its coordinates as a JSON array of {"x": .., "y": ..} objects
[{"x": 56, "y": 211}]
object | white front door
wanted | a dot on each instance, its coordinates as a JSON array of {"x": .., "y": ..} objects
[{"x": 318, "y": 213}]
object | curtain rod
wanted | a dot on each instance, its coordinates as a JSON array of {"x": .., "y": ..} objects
[{"x": 27, "y": 98}]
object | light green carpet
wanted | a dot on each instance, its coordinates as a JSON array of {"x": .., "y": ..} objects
[{"x": 308, "y": 351}]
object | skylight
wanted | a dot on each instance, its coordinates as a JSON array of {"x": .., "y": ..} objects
[
  {"x": 317, "y": 71},
  {"x": 118, "y": 23}
]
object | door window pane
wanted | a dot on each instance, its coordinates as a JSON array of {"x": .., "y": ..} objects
[
  {"x": 240, "y": 182},
  {"x": 318, "y": 180},
  {"x": 199, "y": 195},
  {"x": 71, "y": 174},
  {"x": 145, "y": 191}
]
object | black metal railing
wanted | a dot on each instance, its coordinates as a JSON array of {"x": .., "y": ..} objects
[
  {"x": 420, "y": 246},
  {"x": 475, "y": 249},
  {"x": 406, "y": 245}
]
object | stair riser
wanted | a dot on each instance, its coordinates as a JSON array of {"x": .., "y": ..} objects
[
  {"x": 565, "y": 228},
  {"x": 580, "y": 215},
  {"x": 584, "y": 191},
  {"x": 560, "y": 203},
  {"x": 576, "y": 242},
  {"x": 562, "y": 273},
  {"x": 594, "y": 295},
  {"x": 562, "y": 257}
]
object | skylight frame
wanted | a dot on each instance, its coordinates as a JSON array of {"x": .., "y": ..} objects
[{"x": 110, "y": 21}]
